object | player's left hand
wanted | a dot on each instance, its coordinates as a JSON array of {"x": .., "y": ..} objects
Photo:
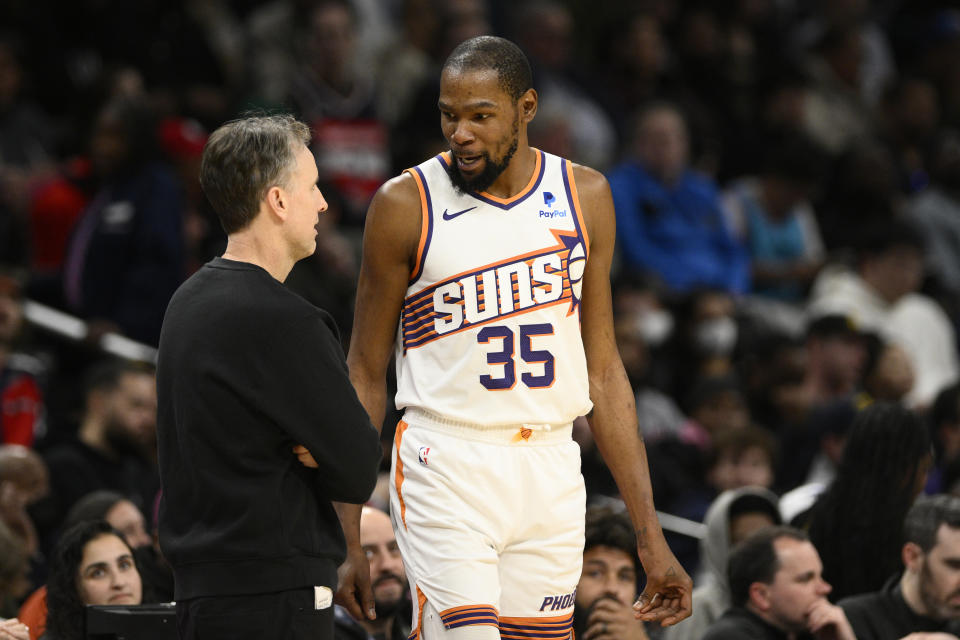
[
  {"x": 667, "y": 596},
  {"x": 305, "y": 457}
]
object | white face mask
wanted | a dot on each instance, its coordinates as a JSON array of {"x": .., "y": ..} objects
[
  {"x": 716, "y": 337},
  {"x": 654, "y": 326}
]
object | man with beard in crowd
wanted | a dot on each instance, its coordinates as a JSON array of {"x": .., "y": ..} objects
[
  {"x": 389, "y": 582},
  {"x": 924, "y": 601},
  {"x": 608, "y": 585},
  {"x": 110, "y": 451}
]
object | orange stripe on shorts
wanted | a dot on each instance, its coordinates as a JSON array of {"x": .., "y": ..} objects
[{"x": 398, "y": 476}]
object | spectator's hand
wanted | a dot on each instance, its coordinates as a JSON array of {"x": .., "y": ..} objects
[
  {"x": 667, "y": 597},
  {"x": 828, "y": 622},
  {"x": 354, "y": 591},
  {"x": 305, "y": 457},
  {"x": 13, "y": 629},
  {"x": 612, "y": 620}
]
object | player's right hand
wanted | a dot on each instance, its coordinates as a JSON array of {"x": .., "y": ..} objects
[{"x": 353, "y": 590}]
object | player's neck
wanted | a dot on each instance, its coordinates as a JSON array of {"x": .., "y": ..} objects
[{"x": 517, "y": 174}]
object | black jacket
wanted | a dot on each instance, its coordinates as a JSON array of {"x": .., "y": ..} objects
[
  {"x": 884, "y": 615},
  {"x": 739, "y": 623},
  {"x": 246, "y": 370}
]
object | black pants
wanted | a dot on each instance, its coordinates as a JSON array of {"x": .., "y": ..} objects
[{"x": 287, "y": 614}]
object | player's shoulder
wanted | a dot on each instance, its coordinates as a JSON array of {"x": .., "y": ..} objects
[
  {"x": 590, "y": 182},
  {"x": 398, "y": 191}
]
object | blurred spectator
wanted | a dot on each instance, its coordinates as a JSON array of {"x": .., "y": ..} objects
[
  {"x": 863, "y": 190},
  {"x": 91, "y": 565},
  {"x": 943, "y": 420},
  {"x": 388, "y": 580},
  {"x": 911, "y": 117},
  {"x": 888, "y": 374},
  {"x": 743, "y": 457},
  {"x": 923, "y": 599},
  {"x": 836, "y": 357},
  {"x": 26, "y": 152},
  {"x": 14, "y": 581},
  {"x": 731, "y": 518},
  {"x": 881, "y": 295},
  {"x": 777, "y": 590},
  {"x": 772, "y": 216},
  {"x": 125, "y": 258},
  {"x": 607, "y": 588},
  {"x": 669, "y": 220},
  {"x": 111, "y": 448},
  {"x": 545, "y": 31},
  {"x": 856, "y": 523},
  {"x": 23, "y": 481},
  {"x": 936, "y": 212},
  {"x": 337, "y": 99},
  {"x": 21, "y": 400}
]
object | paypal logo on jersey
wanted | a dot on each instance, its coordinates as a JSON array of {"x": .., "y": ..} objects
[{"x": 548, "y": 200}]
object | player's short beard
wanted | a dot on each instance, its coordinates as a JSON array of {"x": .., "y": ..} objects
[{"x": 491, "y": 170}]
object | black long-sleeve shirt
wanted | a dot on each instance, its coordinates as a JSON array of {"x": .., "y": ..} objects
[{"x": 246, "y": 370}]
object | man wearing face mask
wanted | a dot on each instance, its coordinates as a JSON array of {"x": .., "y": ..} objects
[
  {"x": 924, "y": 602},
  {"x": 389, "y": 582}
]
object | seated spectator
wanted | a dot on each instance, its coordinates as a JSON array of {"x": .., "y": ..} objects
[
  {"x": 856, "y": 523},
  {"x": 669, "y": 219},
  {"x": 603, "y": 600},
  {"x": 91, "y": 565},
  {"x": 777, "y": 591},
  {"x": 882, "y": 295},
  {"x": 836, "y": 356},
  {"x": 733, "y": 517},
  {"x": 14, "y": 579},
  {"x": 389, "y": 583},
  {"x": 888, "y": 375},
  {"x": 119, "y": 420},
  {"x": 772, "y": 216},
  {"x": 944, "y": 423},
  {"x": 21, "y": 401},
  {"x": 924, "y": 597},
  {"x": 23, "y": 481}
]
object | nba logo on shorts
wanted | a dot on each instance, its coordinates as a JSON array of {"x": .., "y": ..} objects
[
  {"x": 422, "y": 455},
  {"x": 548, "y": 198}
]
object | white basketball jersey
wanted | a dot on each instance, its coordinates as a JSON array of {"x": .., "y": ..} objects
[{"x": 490, "y": 328}]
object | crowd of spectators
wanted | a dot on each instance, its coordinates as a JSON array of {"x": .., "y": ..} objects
[{"x": 786, "y": 291}]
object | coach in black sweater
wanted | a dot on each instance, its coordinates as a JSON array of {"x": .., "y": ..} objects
[{"x": 259, "y": 426}]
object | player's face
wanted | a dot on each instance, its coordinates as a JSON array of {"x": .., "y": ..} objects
[
  {"x": 607, "y": 572},
  {"x": 108, "y": 574},
  {"x": 940, "y": 576},
  {"x": 305, "y": 203},
  {"x": 797, "y": 585},
  {"x": 481, "y": 123}
]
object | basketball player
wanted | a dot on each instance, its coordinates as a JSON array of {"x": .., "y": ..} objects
[{"x": 493, "y": 260}]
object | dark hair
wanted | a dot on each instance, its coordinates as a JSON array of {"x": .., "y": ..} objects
[
  {"x": 243, "y": 159},
  {"x": 856, "y": 524},
  {"x": 925, "y": 517},
  {"x": 498, "y": 54},
  {"x": 106, "y": 375},
  {"x": 64, "y": 604},
  {"x": 883, "y": 236},
  {"x": 945, "y": 410},
  {"x": 755, "y": 560},
  {"x": 607, "y": 526},
  {"x": 93, "y": 506},
  {"x": 796, "y": 158}
]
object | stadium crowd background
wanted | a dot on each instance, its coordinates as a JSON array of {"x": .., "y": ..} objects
[{"x": 786, "y": 176}]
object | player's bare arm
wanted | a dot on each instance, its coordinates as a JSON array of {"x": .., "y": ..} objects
[
  {"x": 613, "y": 421},
  {"x": 390, "y": 239}
]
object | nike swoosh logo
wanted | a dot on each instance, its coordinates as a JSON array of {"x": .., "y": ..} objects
[{"x": 451, "y": 216}]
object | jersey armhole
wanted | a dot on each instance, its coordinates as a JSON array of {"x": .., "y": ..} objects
[
  {"x": 570, "y": 184},
  {"x": 426, "y": 223}
]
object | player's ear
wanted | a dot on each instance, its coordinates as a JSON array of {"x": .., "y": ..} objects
[{"x": 528, "y": 104}]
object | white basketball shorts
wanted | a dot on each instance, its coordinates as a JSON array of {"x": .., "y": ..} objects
[{"x": 490, "y": 526}]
